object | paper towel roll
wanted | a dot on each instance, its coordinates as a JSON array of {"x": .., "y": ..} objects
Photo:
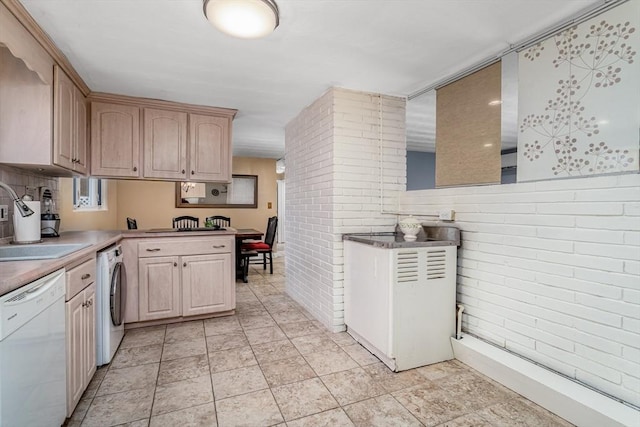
[{"x": 26, "y": 229}]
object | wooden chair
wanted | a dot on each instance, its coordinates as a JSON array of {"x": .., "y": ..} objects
[
  {"x": 265, "y": 247},
  {"x": 219, "y": 220},
  {"x": 132, "y": 224},
  {"x": 186, "y": 221}
]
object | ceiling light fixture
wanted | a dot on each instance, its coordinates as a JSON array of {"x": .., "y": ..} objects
[
  {"x": 247, "y": 19},
  {"x": 495, "y": 102}
]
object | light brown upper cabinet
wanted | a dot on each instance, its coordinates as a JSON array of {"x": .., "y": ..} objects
[
  {"x": 209, "y": 148},
  {"x": 167, "y": 155},
  {"x": 180, "y": 142},
  {"x": 69, "y": 124},
  {"x": 165, "y": 144},
  {"x": 115, "y": 140}
]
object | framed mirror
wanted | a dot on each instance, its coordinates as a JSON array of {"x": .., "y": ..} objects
[{"x": 242, "y": 192}]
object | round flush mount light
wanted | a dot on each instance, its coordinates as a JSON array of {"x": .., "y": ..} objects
[
  {"x": 247, "y": 19},
  {"x": 495, "y": 102}
]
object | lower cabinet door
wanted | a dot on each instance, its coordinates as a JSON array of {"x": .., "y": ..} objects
[
  {"x": 81, "y": 344},
  {"x": 159, "y": 288},
  {"x": 206, "y": 284},
  {"x": 75, "y": 317},
  {"x": 89, "y": 333}
]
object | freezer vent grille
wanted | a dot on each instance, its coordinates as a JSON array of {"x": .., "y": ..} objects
[
  {"x": 407, "y": 267},
  {"x": 436, "y": 264}
]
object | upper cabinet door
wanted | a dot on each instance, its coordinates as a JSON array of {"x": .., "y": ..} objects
[
  {"x": 81, "y": 131},
  {"x": 115, "y": 140},
  {"x": 209, "y": 150},
  {"x": 165, "y": 144},
  {"x": 63, "y": 122}
]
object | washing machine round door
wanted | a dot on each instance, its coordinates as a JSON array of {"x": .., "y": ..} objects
[{"x": 117, "y": 294}]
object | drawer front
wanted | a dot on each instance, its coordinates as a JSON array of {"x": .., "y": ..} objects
[
  {"x": 177, "y": 247},
  {"x": 80, "y": 277}
]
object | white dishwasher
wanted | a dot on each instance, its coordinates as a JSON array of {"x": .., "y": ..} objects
[
  {"x": 32, "y": 354},
  {"x": 400, "y": 298}
]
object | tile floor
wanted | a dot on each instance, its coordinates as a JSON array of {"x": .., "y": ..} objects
[{"x": 271, "y": 364}]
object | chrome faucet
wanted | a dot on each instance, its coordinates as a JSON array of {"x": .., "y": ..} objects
[{"x": 22, "y": 207}]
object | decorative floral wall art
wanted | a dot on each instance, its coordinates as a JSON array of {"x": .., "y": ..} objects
[{"x": 579, "y": 99}]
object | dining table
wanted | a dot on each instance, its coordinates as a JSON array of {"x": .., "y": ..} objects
[{"x": 243, "y": 234}]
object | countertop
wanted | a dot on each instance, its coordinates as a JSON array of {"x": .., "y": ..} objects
[
  {"x": 396, "y": 240},
  {"x": 14, "y": 274}
]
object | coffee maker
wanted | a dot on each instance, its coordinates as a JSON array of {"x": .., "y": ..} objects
[{"x": 49, "y": 219}]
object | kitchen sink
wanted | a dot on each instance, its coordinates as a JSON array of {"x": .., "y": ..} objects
[{"x": 34, "y": 252}]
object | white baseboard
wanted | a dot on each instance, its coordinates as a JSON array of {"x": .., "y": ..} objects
[{"x": 565, "y": 398}]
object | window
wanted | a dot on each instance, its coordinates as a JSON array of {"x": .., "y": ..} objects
[{"x": 89, "y": 194}]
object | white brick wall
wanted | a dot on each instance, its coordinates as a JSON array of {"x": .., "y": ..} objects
[
  {"x": 334, "y": 179},
  {"x": 551, "y": 270}
]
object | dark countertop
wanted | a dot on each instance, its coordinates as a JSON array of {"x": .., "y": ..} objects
[{"x": 392, "y": 240}]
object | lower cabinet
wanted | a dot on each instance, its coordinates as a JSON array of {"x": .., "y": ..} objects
[
  {"x": 80, "y": 312},
  {"x": 186, "y": 281},
  {"x": 198, "y": 274}
]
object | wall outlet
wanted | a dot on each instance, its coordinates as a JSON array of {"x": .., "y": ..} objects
[
  {"x": 448, "y": 215},
  {"x": 4, "y": 213}
]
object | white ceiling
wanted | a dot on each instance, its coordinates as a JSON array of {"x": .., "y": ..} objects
[{"x": 166, "y": 49}]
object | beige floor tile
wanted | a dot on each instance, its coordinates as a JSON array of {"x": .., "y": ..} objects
[
  {"x": 143, "y": 336},
  {"x": 262, "y": 335},
  {"x": 81, "y": 409},
  {"x": 314, "y": 343},
  {"x": 251, "y": 308},
  {"x": 234, "y": 358},
  {"x": 276, "y": 350},
  {"x": 183, "y": 369},
  {"x": 226, "y": 342},
  {"x": 330, "y": 361},
  {"x": 136, "y": 356},
  {"x": 256, "y": 321},
  {"x": 287, "y": 371},
  {"x": 469, "y": 420},
  {"x": 485, "y": 392},
  {"x": 184, "y": 331},
  {"x": 222, "y": 326},
  {"x": 341, "y": 338},
  {"x": 303, "y": 398},
  {"x": 139, "y": 423},
  {"x": 118, "y": 408},
  {"x": 442, "y": 369},
  {"x": 249, "y": 410},
  {"x": 186, "y": 348},
  {"x": 196, "y": 416},
  {"x": 333, "y": 417},
  {"x": 95, "y": 383},
  {"x": 182, "y": 394},
  {"x": 299, "y": 329},
  {"x": 238, "y": 381},
  {"x": 275, "y": 307},
  {"x": 360, "y": 354},
  {"x": 118, "y": 380},
  {"x": 519, "y": 412},
  {"x": 380, "y": 411},
  {"x": 393, "y": 381},
  {"x": 352, "y": 386},
  {"x": 430, "y": 404},
  {"x": 247, "y": 296}
]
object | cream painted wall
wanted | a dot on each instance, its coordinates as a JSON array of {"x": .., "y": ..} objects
[
  {"x": 152, "y": 203},
  {"x": 71, "y": 220}
]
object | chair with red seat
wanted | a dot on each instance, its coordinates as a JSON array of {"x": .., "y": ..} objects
[{"x": 265, "y": 247}]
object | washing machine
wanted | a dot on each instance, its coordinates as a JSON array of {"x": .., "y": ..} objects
[{"x": 110, "y": 301}]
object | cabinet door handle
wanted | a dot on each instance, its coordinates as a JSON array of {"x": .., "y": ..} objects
[
  {"x": 84, "y": 304},
  {"x": 193, "y": 172},
  {"x": 218, "y": 246},
  {"x": 175, "y": 264},
  {"x": 89, "y": 303},
  {"x": 184, "y": 264},
  {"x": 153, "y": 250},
  {"x": 85, "y": 276},
  {"x": 135, "y": 169},
  {"x": 183, "y": 171}
]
